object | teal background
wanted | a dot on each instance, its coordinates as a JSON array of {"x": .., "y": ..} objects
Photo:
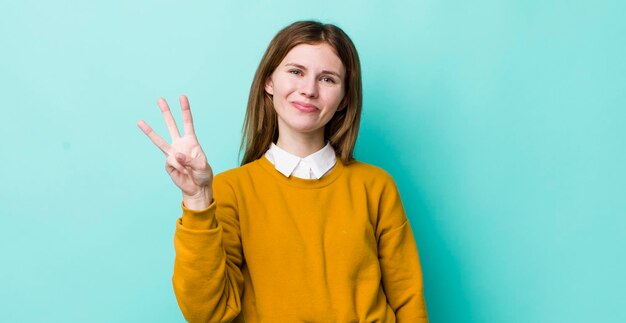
[{"x": 501, "y": 121}]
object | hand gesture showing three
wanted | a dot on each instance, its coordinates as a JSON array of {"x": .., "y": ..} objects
[{"x": 186, "y": 163}]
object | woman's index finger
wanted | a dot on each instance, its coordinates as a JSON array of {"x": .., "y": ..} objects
[
  {"x": 154, "y": 137},
  {"x": 187, "y": 118}
]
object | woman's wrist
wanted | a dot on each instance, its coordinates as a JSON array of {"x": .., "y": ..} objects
[{"x": 199, "y": 201}]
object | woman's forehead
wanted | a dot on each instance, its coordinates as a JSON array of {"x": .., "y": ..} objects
[{"x": 314, "y": 56}]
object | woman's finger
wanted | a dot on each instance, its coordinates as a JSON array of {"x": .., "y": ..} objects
[
  {"x": 172, "y": 164},
  {"x": 187, "y": 119},
  {"x": 199, "y": 162},
  {"x": 169, "y": 119},
  {"x": 154, "y": 137},
  {"x": 182, "y": 159}
]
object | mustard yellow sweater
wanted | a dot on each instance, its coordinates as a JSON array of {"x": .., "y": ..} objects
[{"x": 277, "y": 249}]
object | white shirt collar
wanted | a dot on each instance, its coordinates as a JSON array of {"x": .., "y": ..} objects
[{"x": 313, "y": 166}]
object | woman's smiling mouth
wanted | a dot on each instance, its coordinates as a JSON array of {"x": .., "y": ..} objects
[{"x": 304, "y": 107}]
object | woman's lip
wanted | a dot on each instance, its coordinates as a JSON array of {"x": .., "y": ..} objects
[{"x": 304, "y": 107}]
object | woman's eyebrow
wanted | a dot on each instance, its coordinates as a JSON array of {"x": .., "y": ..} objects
[
  {"x": 296, "y": 65},
  {"x": 304, "y": 68}
]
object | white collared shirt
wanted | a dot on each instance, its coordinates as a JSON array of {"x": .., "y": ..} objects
[{"x": 313, "y": 166}]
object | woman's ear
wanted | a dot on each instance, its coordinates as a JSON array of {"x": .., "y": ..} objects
[{"x": 269, "y": 86}]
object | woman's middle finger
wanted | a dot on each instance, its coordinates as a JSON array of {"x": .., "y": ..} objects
[{"x": 169, "y": 119}]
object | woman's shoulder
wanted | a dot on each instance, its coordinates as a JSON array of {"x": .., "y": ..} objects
[
  {"x": 240, "y": 172},
  {"x": 376, "y": 180},
  {"x": 365, "y": 170}
]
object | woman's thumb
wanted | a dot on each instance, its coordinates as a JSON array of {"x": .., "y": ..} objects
[
  {"x": 182, "y": 159},
  {"x": 192, "y": 163}
]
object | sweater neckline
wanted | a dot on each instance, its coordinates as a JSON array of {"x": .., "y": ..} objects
[{"x": 327, "y": 179}]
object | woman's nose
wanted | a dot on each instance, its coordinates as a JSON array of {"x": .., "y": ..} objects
[{"x": 308, "y": 87}]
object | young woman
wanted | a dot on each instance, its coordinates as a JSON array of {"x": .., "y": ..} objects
[{"x": 301, "y": 232}]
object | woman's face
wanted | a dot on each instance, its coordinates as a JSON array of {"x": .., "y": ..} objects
[{"x": 307, "y": 88}]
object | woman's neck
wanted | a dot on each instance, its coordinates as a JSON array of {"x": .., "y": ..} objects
[{"x": 301, "y": 145}]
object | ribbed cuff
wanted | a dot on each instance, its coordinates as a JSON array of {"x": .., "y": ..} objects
[{"x": 199, "y": 219}]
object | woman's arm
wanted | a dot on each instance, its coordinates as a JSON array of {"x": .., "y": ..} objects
[
  {"x": 207, "y": 277},
  {"x": 399, "y": 260},
  {"x": 207, "y": 280}
]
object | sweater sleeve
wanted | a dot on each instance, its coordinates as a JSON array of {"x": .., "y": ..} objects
[
  {"x": 399, "y": 260},
  {"x": 207, "y": 279}
]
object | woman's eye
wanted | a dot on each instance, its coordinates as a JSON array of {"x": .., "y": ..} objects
[
  {"x": 295, "y": 72},
  {"x": 327, "y": 79}
]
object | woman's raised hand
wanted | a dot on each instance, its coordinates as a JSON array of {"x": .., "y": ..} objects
[{"x": 186, "y": 163}]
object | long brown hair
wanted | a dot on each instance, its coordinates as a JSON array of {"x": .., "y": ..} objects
[{"x": 260, "y": 126}]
